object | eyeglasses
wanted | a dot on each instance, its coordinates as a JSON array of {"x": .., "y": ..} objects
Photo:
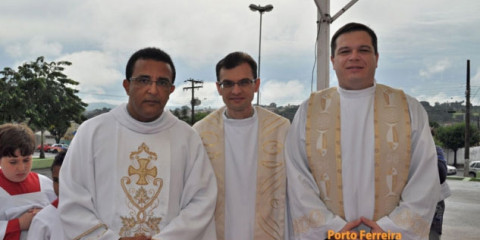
[
  {"x": 242, "y": 83},
  {"x": 145, "y": 81}
]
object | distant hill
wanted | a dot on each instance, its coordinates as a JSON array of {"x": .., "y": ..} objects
[{"x": 99, "y": 105}]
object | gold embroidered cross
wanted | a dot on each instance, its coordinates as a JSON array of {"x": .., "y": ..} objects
[{"x": 142, "y": 171}]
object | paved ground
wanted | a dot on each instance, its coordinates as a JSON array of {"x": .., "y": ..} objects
[
  {"x": 462, "y": 210},
  {"x": 44, "y": 171}
]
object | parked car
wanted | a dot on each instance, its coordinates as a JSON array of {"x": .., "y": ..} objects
[
  {"x": 451, "y": 170},
  {"x": 46, "y": 147},
  {"x": 58, "y": 148},
  {"x": 474, "y": 167}
]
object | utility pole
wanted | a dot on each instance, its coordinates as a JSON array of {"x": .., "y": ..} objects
[
  {"x": 467, "y": 125},
  {"x": 195, "y": 101},
  {"x": 323, "y": 40}
]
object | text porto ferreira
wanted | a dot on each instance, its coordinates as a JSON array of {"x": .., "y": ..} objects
[{"x": 362, "y": 234}]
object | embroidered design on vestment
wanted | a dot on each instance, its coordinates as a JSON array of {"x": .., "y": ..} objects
[
  {"x": 392, "y": 142},
  {"x": 142, "y": 196},
  {"x": 407, "y": 219},
  {"x": 314, "y": 219}
]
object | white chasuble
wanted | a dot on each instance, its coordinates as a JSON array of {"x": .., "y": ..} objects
[
  {"x": 123, "y": 178},
  {"x": 361, "y": 153},
  {"x": 269, "y": 203}
]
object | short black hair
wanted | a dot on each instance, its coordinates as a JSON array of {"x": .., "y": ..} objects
[
  {"x": 149, "y": 53},
  {"x": 234, "y": 59},
  {"x": 15, "y": 137},
  {"x": 353, "y": 27},
  {"x": 58, "y": 160}
]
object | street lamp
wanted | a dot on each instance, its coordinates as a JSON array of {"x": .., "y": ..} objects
[{"x": 261, "y": 10}]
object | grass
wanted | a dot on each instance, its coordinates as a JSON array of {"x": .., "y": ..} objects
[
  {"x": 39, "y": 163},
  {"x": 463, "y": 178}
]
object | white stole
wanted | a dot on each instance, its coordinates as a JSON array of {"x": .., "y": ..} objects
[
  {"x": 271, "y": 179},
  {"x": 392, "y": 147}
]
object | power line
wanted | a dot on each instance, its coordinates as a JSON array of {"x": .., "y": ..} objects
[{"x": 195, "y": 101}]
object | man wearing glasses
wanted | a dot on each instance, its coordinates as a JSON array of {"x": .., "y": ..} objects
[
  {"x": 245, "y": 146},
  {"x": 138, "y": 172}
]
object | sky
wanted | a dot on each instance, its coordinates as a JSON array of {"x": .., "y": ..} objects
[{"x": 423, "y": 45}]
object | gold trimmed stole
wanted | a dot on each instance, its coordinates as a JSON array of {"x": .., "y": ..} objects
[
  {"x": 271, "y": 177},
  {"x": 392, "y": 147}
]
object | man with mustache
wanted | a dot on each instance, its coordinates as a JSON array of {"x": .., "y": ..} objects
[
  {"x": 360, "y": 158},
  {"x": 138, "y": 172}
]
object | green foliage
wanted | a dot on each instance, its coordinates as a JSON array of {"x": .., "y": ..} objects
[
  {"x": 12, "y": 104},
  {"x": 199, "y": 116},
  {"x": 453, "y": 137},
  {"x": 287, "y": 111},
  {"x": 42, "y": 95},
  {"x": 184, "y": 114}
]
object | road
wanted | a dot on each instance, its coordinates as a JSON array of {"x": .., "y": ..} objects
[{"x": 462, "y": 211}]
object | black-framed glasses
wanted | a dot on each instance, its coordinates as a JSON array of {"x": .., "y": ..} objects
[
  {"x": 242, "y": 83},
  {"x": 145, "y": 81}
]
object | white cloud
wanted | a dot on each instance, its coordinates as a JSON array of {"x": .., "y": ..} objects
[
  {"x": 94, "y": 70},
  {"x": 475, "y": 80},
  {"x": 282, "y": 93},
  {"x": 98, "y": 36},
  {"x": 35, "y": 47},
  {"x": 208, "y": 95},
  {"x": 438, "y": 67}
]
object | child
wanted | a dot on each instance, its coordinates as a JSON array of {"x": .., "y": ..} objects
[
  {"x": 46, "y": 224},
  {"x": 22, "y": 192}
]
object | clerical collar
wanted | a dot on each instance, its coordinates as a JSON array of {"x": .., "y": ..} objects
[
  {"x": 225, "y": 113},
  {"x": 357, "y": 93}
]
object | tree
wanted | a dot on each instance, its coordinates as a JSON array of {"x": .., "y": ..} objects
[
  {"x": 453, "y": 137},
  {"x": 182, "y": 113},
  {"x": 12, "y": 104},
  {"x": 42, "y": 96},
  {"x": 200, "y": 115}
]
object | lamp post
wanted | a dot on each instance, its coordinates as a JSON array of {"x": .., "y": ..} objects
[{"x": 261, "y": 10}]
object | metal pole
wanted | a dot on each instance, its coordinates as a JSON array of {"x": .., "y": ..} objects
[
  {"x": 323, "y": 40},
  {"x": 259, "y": 54},
  {"x": 193, "y": 103}
]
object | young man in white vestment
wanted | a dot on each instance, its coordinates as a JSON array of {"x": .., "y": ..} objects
[
  {"x": 23, "y": 193},
  {"x": 360, "y": 158},
  {"x": 46, "y": 224},
  {"x": 245, "y": 146},
  {"x": 138, "y": 172}
]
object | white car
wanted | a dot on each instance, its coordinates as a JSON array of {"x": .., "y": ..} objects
[
  {"x": 451, "y": 170},
  {"x": 474, "y": 167}
]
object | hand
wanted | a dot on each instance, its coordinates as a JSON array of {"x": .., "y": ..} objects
[
  {"x": 351, "y": 225},
  {"x": 372, "y": 224},
  {"x": 348, "y": 229},
  {"x": 26, "y": 218}
]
